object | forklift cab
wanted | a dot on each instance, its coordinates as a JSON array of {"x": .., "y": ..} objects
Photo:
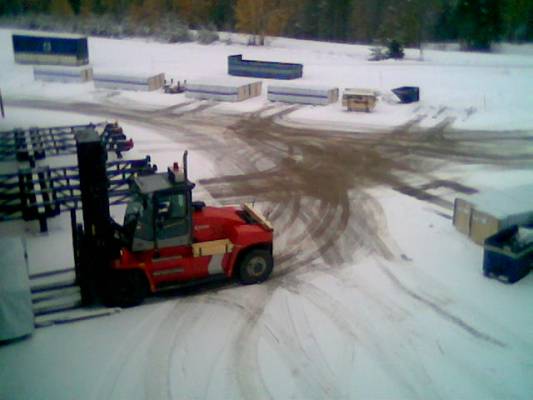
[{"x": 159, "y": 214}]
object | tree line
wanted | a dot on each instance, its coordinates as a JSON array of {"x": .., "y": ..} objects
[{"x": 474, "y": 23}]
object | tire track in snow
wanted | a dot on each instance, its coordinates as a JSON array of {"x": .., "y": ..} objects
[
  {"x": 118, "y": 360},
  {"x": 441, "y": 311},
  {"x": 311, "y": 348},
  {"x": 313, "y": 377},
  {"x": 177, "y": 323},
  {"x": 366, "y": 335}
]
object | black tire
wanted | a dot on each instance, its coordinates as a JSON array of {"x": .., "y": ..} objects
[
  {"x": 256, "y": 266},
  {"x": 125, "y": 289}
]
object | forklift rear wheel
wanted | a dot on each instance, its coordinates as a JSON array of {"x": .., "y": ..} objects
[
  {"x": 255, "y": 267},
  {"x": 126, "y": 289}
]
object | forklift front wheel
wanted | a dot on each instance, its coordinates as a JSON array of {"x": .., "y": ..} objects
[
  {"x": 255, "y": 267},
  {"x": 126, "y": 289}
]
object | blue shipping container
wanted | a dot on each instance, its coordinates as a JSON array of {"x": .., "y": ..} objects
[
  {"x": 504, "y": 258},
  {"x": 50, "y": 49},
  {"x": 407, "y": 94},
  {"x": 263, "y": 69}
]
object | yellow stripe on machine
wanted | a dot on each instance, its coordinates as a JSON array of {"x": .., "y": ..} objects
[{"x": 212, "y": 248}]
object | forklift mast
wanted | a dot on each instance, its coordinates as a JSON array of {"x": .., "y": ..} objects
[{"x": 97, "y": 237}]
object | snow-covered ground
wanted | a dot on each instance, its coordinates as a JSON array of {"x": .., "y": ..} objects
[{"x": 421, "y": 322}]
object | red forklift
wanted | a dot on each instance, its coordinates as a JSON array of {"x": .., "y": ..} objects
[{"x": 166, "y": 241}]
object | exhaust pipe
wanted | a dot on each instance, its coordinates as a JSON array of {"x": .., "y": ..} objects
[{"x": 185, "y": 155}]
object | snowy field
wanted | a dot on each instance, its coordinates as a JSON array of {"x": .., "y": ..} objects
[{"x": 388, "y": 302}]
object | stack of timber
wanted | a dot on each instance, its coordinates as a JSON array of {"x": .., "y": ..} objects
[
  {"x": 63, "y": 74},
  {"x": 487, "y": 213},
  {"x": 315, "y": 95},
  {"x": 50, "y": 48},
  {"x": 232, "y": 89},
  {"x": 129, "y": 82}
]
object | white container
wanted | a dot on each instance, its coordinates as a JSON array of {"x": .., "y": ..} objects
[
  {"x": 129, "y": 82},
  {"x": 63, "y": 74},
  {"x": 230, "y": 89},
  {"x": 315, "y": 95}
]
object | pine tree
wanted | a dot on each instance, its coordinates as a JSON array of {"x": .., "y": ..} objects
[
  {"x": 262, "y": 17},
  {"x": 61, "y": 8},
  {"x": 146, "y": 13},
  {"x": 184, "y": 8},
  {"x": 247, "y": 16},
  {"x": 518, "y": 16},
  {"x": 222, "y": 14},
  {"x": 113, "y": 7},
  {"x": 479, "y": 23},
  {"x": 11, "y": 7},
  {"x": 86, "y": 8}
]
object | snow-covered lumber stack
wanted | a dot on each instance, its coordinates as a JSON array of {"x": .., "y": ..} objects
[
  {"x": 63, "y": 74},
  {"x": 485, "y": 214},
  {"x": 303, "y": 94},
  {"x": 230, "y": 89},
  {"x": 129, "y": 82}
]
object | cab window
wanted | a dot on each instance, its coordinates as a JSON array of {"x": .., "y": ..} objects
[{"x": 172, "y": 206}]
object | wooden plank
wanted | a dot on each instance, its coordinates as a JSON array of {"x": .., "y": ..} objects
[
  {"x": 462, "y": 215},
  {"x": 258, "y": 216},
  {"x": 483, "y": 225}
]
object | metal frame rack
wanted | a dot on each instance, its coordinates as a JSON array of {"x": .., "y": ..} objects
[
  {"x": 42, "y": 192},
  {"x": 37, "y": 143}
]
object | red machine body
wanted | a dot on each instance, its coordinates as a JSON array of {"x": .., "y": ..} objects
[
  {"x": 177, "y": 264},
  {"x": 166, "y": 240}
]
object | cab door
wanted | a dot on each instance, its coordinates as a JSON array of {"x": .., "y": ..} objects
[{"x": 172, "y": 222}]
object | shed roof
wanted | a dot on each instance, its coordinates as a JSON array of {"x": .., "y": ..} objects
[{"x": 359, "y": 92}]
